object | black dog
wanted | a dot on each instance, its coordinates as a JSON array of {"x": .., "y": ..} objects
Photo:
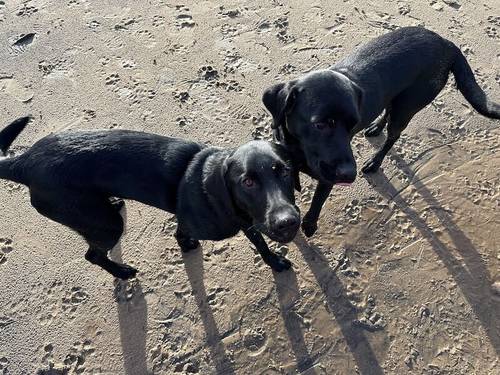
[
  {"x": 214, "y": 192},
  {"x": 397, "y": 74}
]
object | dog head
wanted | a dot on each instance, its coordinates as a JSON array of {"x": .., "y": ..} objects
[
  {"x": 259, "y": 180},
  {"x": 320, "y": 111}
]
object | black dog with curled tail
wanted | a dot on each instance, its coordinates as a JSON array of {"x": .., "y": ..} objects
[
  {"x": 74, "y": 178},
  {"x": 395, "y": 75}
]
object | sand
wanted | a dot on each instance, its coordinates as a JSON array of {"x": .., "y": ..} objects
[{"x": 403, "y": 274}]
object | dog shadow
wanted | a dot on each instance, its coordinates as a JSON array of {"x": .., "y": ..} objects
[
  {"x": 473, "y": 279},
  {"x": 340, "y": 306},
  {"x": 288, "y": 294},
  {"x": 193, "y": 262},
  {"x": 132, "y": 318}
]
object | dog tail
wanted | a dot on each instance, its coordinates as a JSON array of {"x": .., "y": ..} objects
[
  {"x": 7, "y": 136},
  {"x": 11, "y": 131},
  {"x": 469, "y": 88}
]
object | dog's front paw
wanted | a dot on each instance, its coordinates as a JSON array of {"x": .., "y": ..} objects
[
  {"x": 188, "y": 244},
  {"x": 373, "y": 130},
  {"x": 279, "y": 263},
  {"x": 125, "y": 272},
  {"x": 309, "y": 227},
  {"x": 371, "y": 166}
]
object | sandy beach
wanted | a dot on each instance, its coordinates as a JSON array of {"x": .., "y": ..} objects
[{"x": 403, "y": 275}]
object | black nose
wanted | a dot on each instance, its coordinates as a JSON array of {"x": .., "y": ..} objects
[
  {"x": 345, "y": 173},
  {"x": 286, "y": 222},
  {"x": 338, "y": 173}
]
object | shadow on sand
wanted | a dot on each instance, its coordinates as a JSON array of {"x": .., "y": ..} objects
[
  {"x": 288, "y": 294},
  {"x": 473, "y": 279},
  {"x": 340, "y": 306},
  {"x": 133, "y": 319},
  {"x": 193, "y": 262}
]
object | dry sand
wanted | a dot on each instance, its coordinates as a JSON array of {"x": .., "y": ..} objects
[{"x": 400, "y": 277}]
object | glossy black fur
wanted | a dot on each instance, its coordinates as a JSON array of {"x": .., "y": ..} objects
[
  {"x": 75, "y": 177},
  {"x": 390, "y": 78}
]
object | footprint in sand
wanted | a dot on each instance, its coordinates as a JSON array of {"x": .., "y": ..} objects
[
  {"x": 492, "y": 32},
  {"x": 184, "y": 19},
  {"x": 4, "y": 365},
  {"x": 22, "y": 43},
  {"x": 73, "y": 363},
  {"x": 5, "y": 248},
  {"x": 13, "y": 88},
  {"x": 26, "y": 9}
]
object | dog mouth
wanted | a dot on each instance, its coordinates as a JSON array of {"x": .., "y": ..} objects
[
  {"x": 338, "y": 175},
  {"x": 283, "y": 237}
]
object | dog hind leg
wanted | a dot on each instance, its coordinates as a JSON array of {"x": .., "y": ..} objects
[
  {"x": 94, "y": 218},
  {"x": 403, "y": 107}
]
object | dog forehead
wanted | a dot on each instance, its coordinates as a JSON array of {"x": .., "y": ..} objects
[
  {"x": 256, "y": 155},
  {"x": 322, "y": 85}
]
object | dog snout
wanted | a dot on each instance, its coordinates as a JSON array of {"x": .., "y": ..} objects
[
  {"x": 345, "y": 173},
  {"x": 339, "y": 172},
  {"x": 285, "y": 223}
]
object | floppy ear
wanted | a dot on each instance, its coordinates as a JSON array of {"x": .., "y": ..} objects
[
  {"x": 285, "y": 154},
  {"x": 354, "y": 117},
  {"x": 296, "y": 179},
  {"x": 214, "y": 184},
  {"x": 279, "y": 100}
]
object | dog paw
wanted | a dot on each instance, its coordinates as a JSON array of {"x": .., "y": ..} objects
[
  {"x": 279, "y": 263},
  {"x": 370, "y": 166},
  {"x": 374, "y": 130},
  {"x": 188, "y": 244},
  {"x": 117, "y": 203},
  {"x": 125, "y": 272},
  {"x": 309, "y": 227}
]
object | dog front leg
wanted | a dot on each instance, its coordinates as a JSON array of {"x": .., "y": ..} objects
[
  {"x": 186, "y": 243},
  {"x": 277, "y": 262},
  {"x": 310, "y": 220}
]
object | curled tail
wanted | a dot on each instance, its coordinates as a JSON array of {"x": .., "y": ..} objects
[
  {"x": 7, "y": 136},
  {"x": 469, "y": 88}
]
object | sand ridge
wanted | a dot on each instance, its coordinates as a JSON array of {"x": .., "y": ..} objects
[{"x": 400, "y": 277}]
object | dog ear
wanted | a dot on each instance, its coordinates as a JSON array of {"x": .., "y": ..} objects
[
  {"x": 296, "y": 179},
  {"x": 279, "y": 100},
  {"x": 354, "y": 116},
  {"x": 285, "y": 154},
  {"x": 214, "y": 184}
]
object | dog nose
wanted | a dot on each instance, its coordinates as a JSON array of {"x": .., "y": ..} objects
[
  {"x": 340, "y": 173},
  {"x": 345, "y": 173},
  {"x": 285, "y": 222}
]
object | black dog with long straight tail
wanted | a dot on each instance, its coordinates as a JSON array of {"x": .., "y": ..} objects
[
  {"x": 391, "y": 78},
  {"x": 74, "y": 177}
]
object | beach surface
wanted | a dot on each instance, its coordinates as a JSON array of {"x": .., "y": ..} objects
[{"x": 403, "y": 274}]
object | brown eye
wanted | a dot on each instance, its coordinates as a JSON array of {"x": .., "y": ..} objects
[
  {"x": 321, "y": 125},
  {"x": 248, "y": 182}
]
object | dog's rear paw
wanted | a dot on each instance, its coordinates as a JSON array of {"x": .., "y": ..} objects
[
  {"x": 309, "y": 227},
  {"x": 125, "y": 272},
  {"x": 279, "y": 263},
  {"x": 370, "y": 166},
  {"x": 117, "y": 203}
]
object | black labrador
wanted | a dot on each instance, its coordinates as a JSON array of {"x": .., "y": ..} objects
[
  {"x": 75, "y": 179},
  {"x": 394, "y": 75}
]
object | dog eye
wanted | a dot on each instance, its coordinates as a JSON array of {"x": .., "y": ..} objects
[
  {"x": 321, "y": 125},
  {"x": 285, "y": 172},
  {"x": 248, "y": 182}
]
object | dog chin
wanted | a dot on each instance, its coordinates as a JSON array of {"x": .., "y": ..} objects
[
  {"x": 333, "y": 181},
  {"x": 282, "y": 238}
]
